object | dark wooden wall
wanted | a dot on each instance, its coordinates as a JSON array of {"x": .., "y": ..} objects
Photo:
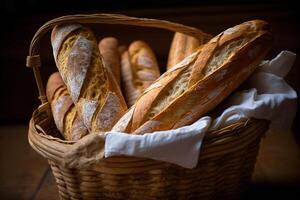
[{"x": 21, "y": 20}]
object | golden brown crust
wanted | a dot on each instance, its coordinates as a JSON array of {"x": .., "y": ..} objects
[
  {"x": 182, "y": 46},
  {"x": 128, "y": 88},
  {"x": 80, "y": 64},
  {"x": 245, "y": 46},
  {"x": 64, "y": 112},
  {"x": 163, "y": 91},
  {"x": 109, "y": 49},
  {"x": 217, "y": 48},
  {"x": 177, "y": 49},
  {"x": 184, "y": 94},
  {"x": 139, "y": 70},
  {"x": 54, "y": 82}
]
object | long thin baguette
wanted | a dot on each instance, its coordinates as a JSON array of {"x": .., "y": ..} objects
[
  {"x": 200, "y": 82},
  {"x": 139, "y": 70},
  {"x": 182, "y": 46},
  {"x": 109, "y": 50},
  {"x": 94, "y": 91},
  {"x": 64, "y": 112}
]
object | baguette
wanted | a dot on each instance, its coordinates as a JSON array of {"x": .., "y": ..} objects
[
  {"x": 182, "y": 46},
  {"x": 64, "y": 112},
  {"x": 93, "y": 89},
  {"x": 122, "y": 49},
  {"x": 201, "y": 81},
  {"x": 109, "y": 50},
  {"x": 139, "y": 70}
]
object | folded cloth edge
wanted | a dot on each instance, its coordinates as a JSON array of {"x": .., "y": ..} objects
[{"x": 160, "y": 145}]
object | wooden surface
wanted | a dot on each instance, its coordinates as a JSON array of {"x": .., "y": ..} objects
[
  {"x": 22, "y": 170},
  {"x": 26, "y": 175}
]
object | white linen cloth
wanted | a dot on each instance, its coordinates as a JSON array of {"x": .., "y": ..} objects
[{"x": 267, "y": 96}]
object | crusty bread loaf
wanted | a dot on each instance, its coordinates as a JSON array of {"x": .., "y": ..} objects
[
  {"x": 109, "y": 49},
  {"x": 201, "y": 81},
  {"x": 182, "y": 46},
  {"x": 139, "y": 70},
  {"x": 64, "y": 112},
  {"x": 122, "y": 49},
  {"x": 96, "y": 95}
]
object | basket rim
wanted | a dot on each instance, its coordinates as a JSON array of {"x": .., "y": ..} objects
[
  {"x": 233, "y": 137},
  {"x": 210, "y": 135}
]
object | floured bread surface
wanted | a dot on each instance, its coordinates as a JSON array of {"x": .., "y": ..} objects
[
  {"x": 71, "y": 126},
  {"x": 63, "y": 109},
  {"x": 222, "y": 55},
  {"x": 110, "y": 113},
  {"x": 124, "y": 123},
  {"x": 82, "y": 69},
  {"x": 139, "y": 70},
  {"x": 171, "y": 92},
  {"x": 60, "y": 105},
  {"x": 233, "y": 53},
  {"x": 60, "y": 91},
  {"x": 163, "y": 91},
  {"x": 78, "y": 49},
  {"x": 144, "y": 64}
]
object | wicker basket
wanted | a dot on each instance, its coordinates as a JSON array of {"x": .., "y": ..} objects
[{"x": 225, "y": 164}]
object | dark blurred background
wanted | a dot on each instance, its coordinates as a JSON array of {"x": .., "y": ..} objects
[{"x": 21, "y": 19}]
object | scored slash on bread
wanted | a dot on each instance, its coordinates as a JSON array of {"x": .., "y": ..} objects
[
  {"x": 139, "y": 70},
  {"x": 190, "y": 89},
  {"x": 63, "y": 109},
  {"x": 93, "y": 89},
  {"x": 182, "y": 46},
  {"x": 201, "y": 81}
]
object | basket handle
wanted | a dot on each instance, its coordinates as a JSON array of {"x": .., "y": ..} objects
[{"x": 33, "y": 59}]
